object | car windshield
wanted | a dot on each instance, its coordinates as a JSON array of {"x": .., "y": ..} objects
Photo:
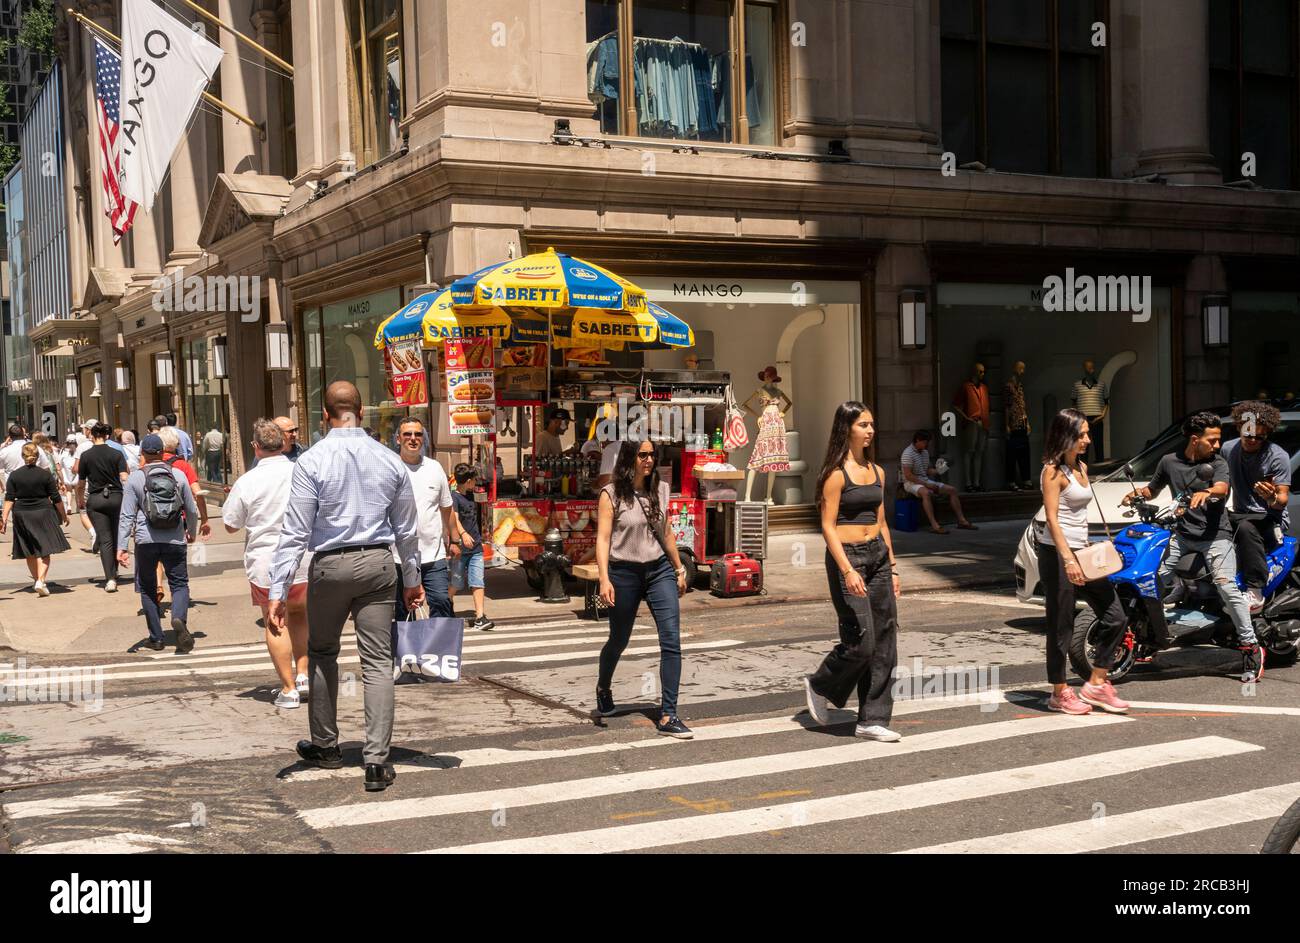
[{"x": 1144, "y": 463}]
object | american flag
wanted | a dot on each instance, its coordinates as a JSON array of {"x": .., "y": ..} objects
[{"x": 108, "y": 76}]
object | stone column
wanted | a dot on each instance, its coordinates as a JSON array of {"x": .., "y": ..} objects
[
  {"x": 242, "y": 148},
  {"x": 1174, "y": 137},
  {"x": 320, "y": 92},
  {"x": 267, "y": 31}
]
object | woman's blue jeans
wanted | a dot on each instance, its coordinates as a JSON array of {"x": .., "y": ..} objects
[{"x": 656, "y": 583}]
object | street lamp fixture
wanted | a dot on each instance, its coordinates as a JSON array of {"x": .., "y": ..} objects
[
  {"x": 911, "y": 319},
  {"x": 70, "y": 386},
  {"x": 122, "y": 377},
  {"x": 220, "y": 352},
  {"x": 277, "y": 347},
  {"x": 1214, "y": 318},
  {"x": 164, "y": 369}
]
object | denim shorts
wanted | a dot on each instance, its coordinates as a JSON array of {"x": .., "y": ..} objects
[{"x": 467, "y": 568}]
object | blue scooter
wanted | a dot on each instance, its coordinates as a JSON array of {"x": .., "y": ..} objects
[{"x": 1197, "y": 617}]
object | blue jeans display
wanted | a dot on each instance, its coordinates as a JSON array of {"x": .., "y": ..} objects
[
  {"x": 656, "y": 583},
  {"x": 173, "y": 559},
  {"x": 1221, "y": 560},
  {"x": 433, "y": 576}
]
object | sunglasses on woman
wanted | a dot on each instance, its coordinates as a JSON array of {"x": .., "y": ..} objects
[{"x": 645, "y": 454}]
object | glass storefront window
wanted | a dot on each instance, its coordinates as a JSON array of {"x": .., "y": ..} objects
[
  {"x": 205, "y": 410},
  {"x": 684, "y": 60},
  {"x": 348, "y": 353},
  {"x": 310, "y": 425}
]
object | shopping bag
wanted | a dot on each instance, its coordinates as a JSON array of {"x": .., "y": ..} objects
[
  {"x": 427, "y": 649},
  {"x": 734, "y": 433}
]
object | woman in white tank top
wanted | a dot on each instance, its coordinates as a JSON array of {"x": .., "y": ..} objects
[{"x": 1066, "y": 496}]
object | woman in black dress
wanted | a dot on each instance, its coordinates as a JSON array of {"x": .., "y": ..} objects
[{"x": 32, "y": 501}]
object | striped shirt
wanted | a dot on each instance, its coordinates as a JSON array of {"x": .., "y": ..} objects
[
  {"x": 917, "y": 461},
  {"x": 1090, "y": 398},
  {"x": 347, "y": 491}
]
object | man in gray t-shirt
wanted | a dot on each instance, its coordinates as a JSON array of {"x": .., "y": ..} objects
[{"x": 1260, "y": 473}]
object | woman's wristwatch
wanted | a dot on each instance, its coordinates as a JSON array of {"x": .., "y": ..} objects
[{"x": 681, "y": 571}]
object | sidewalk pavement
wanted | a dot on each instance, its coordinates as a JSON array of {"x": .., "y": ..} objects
[{"x": 78, "y": 617}]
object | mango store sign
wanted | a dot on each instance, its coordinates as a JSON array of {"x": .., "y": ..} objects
[{"x": 754, "y": 291}]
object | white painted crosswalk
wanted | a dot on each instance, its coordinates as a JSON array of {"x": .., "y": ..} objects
[
  {"x": 523, "y": 644},
  {"x": 776, "y": 754}
]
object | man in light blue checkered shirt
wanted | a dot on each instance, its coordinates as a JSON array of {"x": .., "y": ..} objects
[{"x": 350, "y": 501}]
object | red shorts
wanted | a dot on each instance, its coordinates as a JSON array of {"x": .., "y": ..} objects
[{"x": 262, "y": 596}]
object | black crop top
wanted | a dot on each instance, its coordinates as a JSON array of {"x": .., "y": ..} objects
[{"x": 858, "y": 503}]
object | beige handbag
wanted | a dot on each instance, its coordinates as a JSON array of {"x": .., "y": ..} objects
[{"x": 1099, "y": 560}]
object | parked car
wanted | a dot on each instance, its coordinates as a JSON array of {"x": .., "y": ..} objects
[{"x": 1110, "y": 489}]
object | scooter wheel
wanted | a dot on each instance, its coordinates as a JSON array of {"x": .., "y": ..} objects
[{"x": 1083, "y": 648}]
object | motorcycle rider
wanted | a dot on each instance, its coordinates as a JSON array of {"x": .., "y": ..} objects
[
  {"x": 1204, "y": 528},
  {"x": 1260, "y": 473}
]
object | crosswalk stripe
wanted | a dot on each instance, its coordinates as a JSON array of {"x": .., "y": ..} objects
[
  {"x": 767, "y": 765},
  {"x": 536, "y": 628},
  {"x": 697, "y": 828},
  {"x": 627, "y": 653},
  {"x": 496, "y": 756},
  {"x": 348, "y": 643},
  {"x": 123, "y": 843},
  {"x": 1129, "y": 828},
  {"x": 1217, "y": 708},
  {"x": 181, "y": 671},
  {"x": 91, "y": 800}
]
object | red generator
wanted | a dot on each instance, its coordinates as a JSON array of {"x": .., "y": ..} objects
[{"x": 736, "y": 574}]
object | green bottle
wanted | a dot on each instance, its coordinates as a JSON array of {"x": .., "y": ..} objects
[{"x": 717, "y": 438}]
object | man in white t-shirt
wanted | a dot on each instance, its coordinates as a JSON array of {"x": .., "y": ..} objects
[
  {"x": 433, "y": 504},
  {"x": 256, "y": 504},
  {"x": 11, "y": 455},
  {"x": 84, "y": 445},
  {"x": 608, "y": 459},
  {"x": 918, "y": 480}
]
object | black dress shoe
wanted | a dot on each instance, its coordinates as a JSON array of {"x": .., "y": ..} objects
[
  {"x": 379, "y": 776},
  {"x": 153, "y": 645},
  {"x": 324, "y": 757}
]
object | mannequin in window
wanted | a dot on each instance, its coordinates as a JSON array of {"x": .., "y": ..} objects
[
  {"x": 972, "y": 405},
  {"x": 1091, "y": 397},
  {"x": 769, "y": 404},
  {"x": 1016, "y": 418}
]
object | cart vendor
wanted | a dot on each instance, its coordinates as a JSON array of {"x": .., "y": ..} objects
[{"x": 548, "y": 439}]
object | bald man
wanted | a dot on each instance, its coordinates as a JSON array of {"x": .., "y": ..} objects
[
  {"x": 350, "y": 502},
  {"x": 290, "y": 429}
]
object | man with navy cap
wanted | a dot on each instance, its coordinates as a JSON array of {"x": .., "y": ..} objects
[{"x": 151, "y": 496}]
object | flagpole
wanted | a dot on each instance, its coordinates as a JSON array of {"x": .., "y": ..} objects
[
  {"x": 230, "y": 29},
  {"x": 108, "y": 34}
]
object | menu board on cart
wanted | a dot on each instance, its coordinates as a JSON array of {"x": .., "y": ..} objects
[
  {"x": 576, "y": 520},
  {"x": 471, "y": 391},
  {"x": 406, "y": 371},
  {"x": 518, "y": 528}
]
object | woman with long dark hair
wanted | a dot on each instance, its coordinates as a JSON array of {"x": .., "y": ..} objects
[
  {"x": 863, "y": 577},
  {"x": 1066, "y": 496},
  {"x": 637, "y": 560}
]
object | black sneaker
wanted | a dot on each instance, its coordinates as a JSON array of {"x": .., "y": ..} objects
[
  {"x": 379, "y": 776},
  {"x": 324, "y": 757},
  {"x": 184, "y": 640},
  {"x": 1252, "y": 663},
  {"x": 154, "y": 645},
  {"x": 672, "y": 727},
  {"x": 605, "y": 702},
  {"x": 483, "y": 624}
]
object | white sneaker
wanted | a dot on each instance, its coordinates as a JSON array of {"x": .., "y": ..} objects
[
  {"x": 287, "y": 699},
  {"x": 110, "y": 586},
  {"x": 41, "y": 588},
  {"x": 302, "y": 685},
  {"x": 1256, "y": 600},
  {"x": 876, "y": 732},
  {"x": 816, "y": 704}
]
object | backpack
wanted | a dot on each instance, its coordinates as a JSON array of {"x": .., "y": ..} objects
[{"x": 163, "y": 503}]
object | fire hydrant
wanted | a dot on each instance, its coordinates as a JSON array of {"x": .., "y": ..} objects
[{"x": 553, "y": 564}]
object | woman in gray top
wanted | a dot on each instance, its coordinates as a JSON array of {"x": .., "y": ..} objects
[{"x": 637, "y": 559}]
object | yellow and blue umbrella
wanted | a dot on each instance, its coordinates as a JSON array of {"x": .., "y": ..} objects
[
  {"x": 548, "y": 281},
  {"x": 433, "y": 318}
]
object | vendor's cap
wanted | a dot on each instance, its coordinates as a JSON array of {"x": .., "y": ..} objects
[
  {"x": 560, "y": 413},
  {"x": 152, "y": 445}
]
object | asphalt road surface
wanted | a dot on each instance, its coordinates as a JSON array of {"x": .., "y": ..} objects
[{"x": 187, "y": 753}]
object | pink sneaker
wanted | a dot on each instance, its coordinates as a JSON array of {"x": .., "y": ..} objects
[
  {"x": 1067, "y": 703},
  {"x": 1103, "y": 695}
]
